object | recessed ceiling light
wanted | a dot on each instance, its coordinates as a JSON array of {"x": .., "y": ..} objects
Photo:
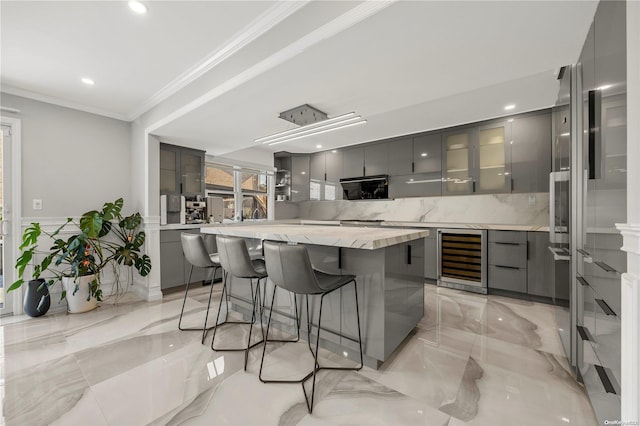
[
  {"x": 138, "y": 7},
  {"x": 510, "y": 120},
  {"x": 509, "y": 107},
  {"x": 334, "y": 150},
  {"x": 88, "y": 81},
  {"x": 318, "y": 146},
  {"x": 605, "y": 87},
  {"x": 424, "y": 154}
]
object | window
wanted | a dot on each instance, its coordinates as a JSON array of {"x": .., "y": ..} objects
[
  {"x": 254, "y": 194},
  {"x": 242, "y": 186}
]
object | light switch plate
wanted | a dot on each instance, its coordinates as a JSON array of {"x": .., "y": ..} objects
[
  {"x": 37, "y": 204},
  {"x": 532, "y": 200}
]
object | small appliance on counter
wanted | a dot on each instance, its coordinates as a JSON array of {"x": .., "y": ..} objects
[{"x": 195, "y": 211}]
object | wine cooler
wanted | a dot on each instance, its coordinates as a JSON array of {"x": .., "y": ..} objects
[{"x": 462, "y": 259}]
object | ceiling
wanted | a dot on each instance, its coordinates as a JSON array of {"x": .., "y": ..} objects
[{"x": 405, "y": 66}]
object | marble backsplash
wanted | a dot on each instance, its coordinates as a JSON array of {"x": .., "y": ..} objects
[{"x": 507, "y": 209}]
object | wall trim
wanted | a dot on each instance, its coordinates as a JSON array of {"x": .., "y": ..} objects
[
  {"x": 11, "y": 90},
  {"x": 631, "y": 237}
]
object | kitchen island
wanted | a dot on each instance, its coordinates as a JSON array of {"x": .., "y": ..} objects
[{"x": 388, "y": 264}]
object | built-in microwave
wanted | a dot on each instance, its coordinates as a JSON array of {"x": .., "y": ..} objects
[{"x": 366, "y": 188}]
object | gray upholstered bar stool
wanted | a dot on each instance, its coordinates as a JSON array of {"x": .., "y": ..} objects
[
  {"x": 236, "y": 261},
  {"x": 197, "y": 255},
  {"x": 290, "y": 268}
]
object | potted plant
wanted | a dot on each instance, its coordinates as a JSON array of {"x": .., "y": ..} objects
[{"x": 103, "y": 238}]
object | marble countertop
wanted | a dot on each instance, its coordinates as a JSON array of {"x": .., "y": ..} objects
[
  {"x": 178, "y": 226},
  {"x": 396, "y": 224},
  {"x": 347, "y": 237}
]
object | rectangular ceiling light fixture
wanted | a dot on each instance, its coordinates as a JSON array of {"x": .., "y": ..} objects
[{"x": 315, "y": 128}]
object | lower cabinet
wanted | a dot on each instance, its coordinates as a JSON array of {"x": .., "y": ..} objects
[
  {"x": 431, "y": 255},
  {"x": 520, "y": 262},
  {"x": 174, "y": 268}
]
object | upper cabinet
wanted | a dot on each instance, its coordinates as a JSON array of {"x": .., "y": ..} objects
[
  {"x": 293, "y": 172},
  {"x": 353, "y": 162},
  {"x": 531, "y": 153},
  {"x": 400, "y": 157},
  {"x": 492, "y": 165},
  {"x": 325, "y": 174},
  {"x": 181, "y": 171},
  {"x": 376, "y": 159},
  {"x": 427, "y": 153},
  {"x": 457, "y": 160}
]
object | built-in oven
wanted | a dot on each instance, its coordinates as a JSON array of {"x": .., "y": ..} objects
[
  {"x": 462, "y": 260},
  {"x": 365, "y": 188}
]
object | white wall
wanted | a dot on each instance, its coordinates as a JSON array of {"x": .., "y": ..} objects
[{"x": 73, "y": 161}]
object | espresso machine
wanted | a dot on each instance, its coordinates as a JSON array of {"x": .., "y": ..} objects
[{"x": 195, "y": 211}]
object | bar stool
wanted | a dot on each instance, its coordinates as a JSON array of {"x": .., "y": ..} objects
[
  {"x": 197, "y": 255},
  {"x": 290, "y": 268},
  {"x": 236, "y": 261}
]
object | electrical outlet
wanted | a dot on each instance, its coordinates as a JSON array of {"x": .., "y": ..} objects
[
  {"x": 532, "y": 200},
  {"x": 37, "y": 204}
]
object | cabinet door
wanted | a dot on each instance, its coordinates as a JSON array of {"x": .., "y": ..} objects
[
  {"x": 531, "y": 153},
  {"x": 300, "y": 178},
  {"x": 169, "y": 169},
  {"x": 376, "y": 159},
  {"x": 427, "y": 153},
  {"x": 492, "y": 159},
  {"x": 431, "y": 255},
  {"x": 400, "y": 157},
  {"x": 171, "y": 265},
  {"x": 415, "y": 185},
  {"x": 353, "y": 162},
  {"x": 317, "y": 166},
  {"x": 192, "y": 169},
  {"x": 540, "y": 281},
  {"x": 333, "y": 170},
  {"x": 456, "y": 151}
]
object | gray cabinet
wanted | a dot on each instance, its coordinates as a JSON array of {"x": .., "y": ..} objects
[
  {"x": 415, "y": 185},
  {"x": 491, "y": 166},
  {"x": 174, "y": 268},
  {"x": 353, "y": 162},
  {"x": 300, "y": 178},
  {"x": 539, "y": 265},
  {"x": 431, "y": 255},
  {"x": 531, "y": 153},
  {"x": 181, "y": 171},
  {"x": 507, "y": 261},
  {"x": 400, "y": 157},
  {"x": 376, "y": 159},
  {"x": 333, "y": 166},
  {"x": 317, "y": 166},
  {"x": 169, "y": 169},
  {"x": 457, "y": 160},
  {"x": 427, "y": 153}
]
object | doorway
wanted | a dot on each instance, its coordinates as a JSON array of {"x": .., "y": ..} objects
[{"x": 10, "y": 211}]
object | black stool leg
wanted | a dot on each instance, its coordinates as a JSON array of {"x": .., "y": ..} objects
[{"x": 184, "y": 302}]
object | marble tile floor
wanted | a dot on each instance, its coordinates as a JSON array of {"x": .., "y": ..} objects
[{"x": 472, "y": 360}]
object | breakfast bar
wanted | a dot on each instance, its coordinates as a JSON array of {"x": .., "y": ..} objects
[{"x": 388, "y": 264}]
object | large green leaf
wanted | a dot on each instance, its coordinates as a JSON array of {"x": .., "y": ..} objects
[
  {"x": 106, "y": 228},
  {"x": 112, "y": 210},
  {"x": 91, "y": 224},
  {"x": 16, "y": 285},
  {"x": 24, "y": 260},
  {"x": 143, "y": 265},
  {"x": 30, "y": 235},
  {"x": 138, "y": 240},
  {"x": 131, "y": 222}
]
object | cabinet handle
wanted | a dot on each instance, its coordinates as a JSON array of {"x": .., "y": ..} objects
[
  {"x": 364, "y": 171},
  {"x": 506, "y": 267},
  {"x": 582, "y": 281},
  {"x": 604, "y": 378},
  {"x": 605, "y": 307},
  {"x": 325, "y": 176},
  {"x": 584, "y": 333},
  {"x": 413, "y": 167},
  {"x": 473, "y": 186},
  {"x": 606, "y": 267},
  {"x": 339, "y": 257},
  {"x": 504, "y": 243},
  {"x": 409, "y": 254},
  {"x": 594, "y": 134}
]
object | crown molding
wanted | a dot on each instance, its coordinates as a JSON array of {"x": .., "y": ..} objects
[
  {"x": 255, "y": 29},
  {"x": 12, "y": 90},
  {"x": 336, "y": 26},
  {"x": 631, "y": 237}
]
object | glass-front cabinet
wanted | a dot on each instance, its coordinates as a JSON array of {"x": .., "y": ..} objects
[
  {"x": 457, "y": 159},
  {"x": 476, "y": 159},
  {"x": 493, "y": 171}
]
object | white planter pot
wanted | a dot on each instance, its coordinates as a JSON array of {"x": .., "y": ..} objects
[{"x": 78, "y": 302}]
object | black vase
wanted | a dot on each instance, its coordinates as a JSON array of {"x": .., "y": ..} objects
[{"x": 36, "y": 300}]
